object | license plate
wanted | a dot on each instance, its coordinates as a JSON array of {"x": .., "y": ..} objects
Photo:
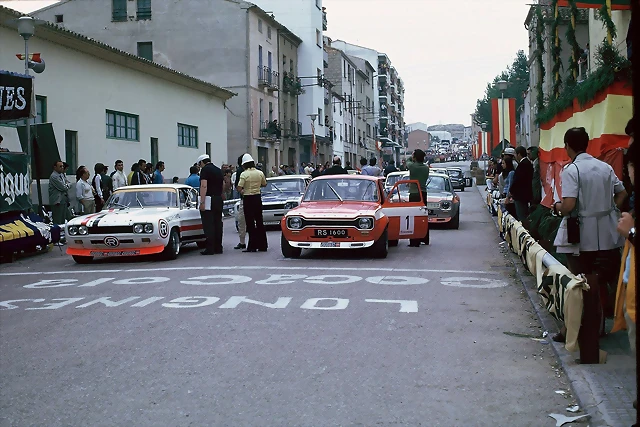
[
  {"x": 116, "y": 253},
  {"x": 433, "y": 205},
  {"x": 329, "y": 244},
  {"x": 271, "y": 222},
  {"x": 331, "y": 232}
]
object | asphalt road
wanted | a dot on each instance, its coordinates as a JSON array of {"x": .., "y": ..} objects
[{"x": 428, "y": 336}]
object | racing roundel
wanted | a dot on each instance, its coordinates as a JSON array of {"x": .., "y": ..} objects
[{"x": 163, "y": 228}]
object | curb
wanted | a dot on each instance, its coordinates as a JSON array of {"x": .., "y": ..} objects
[{"x": 579, "y": 386}]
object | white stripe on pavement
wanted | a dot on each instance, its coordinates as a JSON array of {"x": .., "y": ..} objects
[{"x": 328, "y": 268}]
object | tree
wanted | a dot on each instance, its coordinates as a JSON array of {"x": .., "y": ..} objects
[{"x": 517, "y": 75}]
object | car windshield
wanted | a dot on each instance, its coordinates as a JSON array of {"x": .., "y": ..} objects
[
  {"x": 284, "y": 186},
  {"x": 436, "y": 183},
  {"x": 342, "y": 190},
  {"x": 140, "y": 199},
  {"x": 455, "y": 173},
  {"x": 392, "y": 179}
]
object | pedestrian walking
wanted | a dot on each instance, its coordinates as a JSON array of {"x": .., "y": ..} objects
[
  {"x": 193, "y": 179},
  {"x": 337, "y": 168},
  {"x": 85, "y": 192},
  {"x": 250, "y": 183},
  {"x": 119, "y": 179},
  {"x": 591, "y": 197},
  {"x": 157, "y": 174},
  {"x": 59, "y": 187},
  {"x": 418, "y": 171},
  {"x": 211, "y": 183},
  {"x": 521, "y": 190}
]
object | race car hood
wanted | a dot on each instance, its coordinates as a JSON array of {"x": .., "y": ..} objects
[
  {"x": 335, "y": 209},
  {"x": 280, "y": 197},
  {"x": 123, "y": 217},
  {"x": 437, "y": 196}
]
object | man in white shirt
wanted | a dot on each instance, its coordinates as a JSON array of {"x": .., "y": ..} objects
[{"x": 119, "y": 178}]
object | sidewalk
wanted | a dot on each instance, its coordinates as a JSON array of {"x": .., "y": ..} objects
[{"x": 604, "y": 391}]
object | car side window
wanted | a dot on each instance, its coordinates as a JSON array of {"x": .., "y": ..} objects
[
  {"x": 447, "y": 185},
  {"x": 183, "y": 197}
]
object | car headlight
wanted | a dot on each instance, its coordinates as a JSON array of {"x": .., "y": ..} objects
[
  {"x": 445, "y": 205},
  {"x": 290, "y": 205},
  {"x": 294, "y": 222},
  {"x": 365, "y": 223},
  {"x": 83, "y": 230},
  {"x": 148, "y": 228},
  {"x": 138, "y": 228},
  {"x": 73, "y": 230}
]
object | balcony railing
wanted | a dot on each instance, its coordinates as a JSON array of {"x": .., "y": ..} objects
[
  {"x": 268, "y": 78},
  {"x": 324, "y": 20},
  {"x": 270, "y": 129}
]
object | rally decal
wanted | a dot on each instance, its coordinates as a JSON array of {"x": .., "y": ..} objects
[
  {"x": 88, "y": 217},
  {"x": 163, "y": 228}
]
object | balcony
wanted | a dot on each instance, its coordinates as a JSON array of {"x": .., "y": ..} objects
[
  {"x": 291, "y": 85},
  {"x": 268, "y": 78},
  {"x": 383, "y": 69},
  {"x": 324, "y": 19},
  {"x": 270, "y": 130}
]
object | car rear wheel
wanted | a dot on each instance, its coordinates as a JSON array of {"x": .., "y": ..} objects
[
  {"x": 172, "y": 250},
  {"x": 83, "y": 259},
  {"x": 289, "y": 251},
  {"x": 455, "y": 222},
  {"x": 381, "y": 247},
  {"x": 393, "y": 243}
]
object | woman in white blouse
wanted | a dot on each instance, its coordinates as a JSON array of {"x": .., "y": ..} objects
[{"x": 84, "y": 191}]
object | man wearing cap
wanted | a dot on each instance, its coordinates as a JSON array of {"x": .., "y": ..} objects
[
  {"x": 249, "y": 185},
  {"x": 211, "y": 183},
  {"x": 336, "y": 168},
  {"x": 510, "y": 154}
]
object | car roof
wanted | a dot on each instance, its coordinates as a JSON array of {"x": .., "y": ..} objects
[
  {"x": 349, "y": 176},
  {"x": 439, "y": 174},
  {"x": 298, "y": 176},
  {"x": 155, "y": 187}
]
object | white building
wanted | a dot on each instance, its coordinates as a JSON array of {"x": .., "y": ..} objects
[
  {"x": 105, "y": 104},
  {"x": 307, "y": 20}
]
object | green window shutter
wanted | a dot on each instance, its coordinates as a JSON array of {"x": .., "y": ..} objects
[
  {"x": 145, "y": 50},
  {"x": 118, "y": 10}
]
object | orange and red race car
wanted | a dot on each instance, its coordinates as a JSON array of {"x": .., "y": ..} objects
[{"x": 353, "y": 212}]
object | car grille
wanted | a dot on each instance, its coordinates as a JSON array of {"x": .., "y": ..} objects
[
  {"x": 272, "y": 206},
  {"x": 111, "y": 229},
  {"x": 329, "y": 223},
  {"x": 101, "y": 242}
]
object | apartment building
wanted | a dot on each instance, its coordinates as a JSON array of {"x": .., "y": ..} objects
[
  {"x": 364, "y": 108},
  {"x": 199, "y": 44}
]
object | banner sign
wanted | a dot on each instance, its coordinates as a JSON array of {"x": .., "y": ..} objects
[
  {"x": 16, "y": 96},
  {"x": 15, "y": 182}
]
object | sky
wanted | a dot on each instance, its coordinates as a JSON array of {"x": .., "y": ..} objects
[{"x": 445, "y": 51}]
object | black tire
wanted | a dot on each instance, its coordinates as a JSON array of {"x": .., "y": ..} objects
[
  {"x": 462, "y": 189},
  {"x": 380, "y": 248},
  {"x": 172, "y": 250},
  {"x": 202, "y": 244},
  {"x": 83, "y": 259},
  {"x": 455, "y": 222},
  {"x": 427, "y": 238},
  {"x": 393, "y": 243},
  {"x": 289, "y": 251}
]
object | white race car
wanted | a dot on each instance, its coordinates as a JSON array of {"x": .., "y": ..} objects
[
  {"x": 138, "y": 220},
  {"x": 281, "y": 194}
]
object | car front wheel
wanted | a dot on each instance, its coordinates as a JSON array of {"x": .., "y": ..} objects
[
  {"x": 172, "y": 250},
  {"x": 289, "y": 251},
  {"x": 455, "y": 222},
  {"x": 381, "y": 247},
  {"x": 83, "y": 259}
]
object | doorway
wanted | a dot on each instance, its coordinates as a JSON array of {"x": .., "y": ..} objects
[
  {"x": 154, "y": 151},
  {"x": 263, "y": 157}
]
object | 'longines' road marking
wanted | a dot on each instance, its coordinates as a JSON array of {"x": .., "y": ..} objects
[{"x": 140, "y": 270}]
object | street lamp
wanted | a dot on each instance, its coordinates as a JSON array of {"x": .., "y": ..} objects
[
  {"x": 26, "y": 28},
  {"x": 502, "y": 87},
  {"x": 484, "y": 155},
  {"x": 313, "y": 118}
]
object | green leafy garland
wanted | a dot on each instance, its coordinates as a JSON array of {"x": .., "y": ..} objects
[
  {"x": 540, "y": 56},
  {"x": 575, "y": 47},
  {"x": 611, "y": 66},
  {"x": 556, "y": 50},
  {"x": 608, "y": 22}
]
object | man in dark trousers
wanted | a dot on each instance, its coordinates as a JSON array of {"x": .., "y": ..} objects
[
  {"x": 336, "y": 168},
  {"x": 139, "y": 177},
  {"x": 521, "y": 190},
  {"x": 211, "y": 183}
]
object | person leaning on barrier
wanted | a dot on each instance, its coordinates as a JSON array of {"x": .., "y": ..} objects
[{"x": 592, "y": 193}]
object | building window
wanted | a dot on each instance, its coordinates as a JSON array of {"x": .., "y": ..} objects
[
  {"x": 318, "y": 38},
  {"x": 320, "y": 117},
  {"x": 284, "y": 61},
  {"x": 319, "y": 74},
  {"x": 71, "y": 150},
  {"x": 145, "y": 50},
  {"x": 41, "y": 109},
  {"x": 268, "y": 32},
  {"x": 143, "y": 12},
  {"x": 261, "y": 103},
  {"x": 118, "y": 10},
  {"x": 291, "y": 67},
  {"x": 59, "y": 19},
  {"x": 369, "y": 131},
  {"x": 122, "y": 126},
  {"x": 270, "y": 112},
  {"x": 285, "y": 107},
  {"x": 187, "y": 136},
  {"x": 259, "y": 25}
]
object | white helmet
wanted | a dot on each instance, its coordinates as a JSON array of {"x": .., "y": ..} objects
[
  {"x": 202, "y": 157},
  {"x": 247, "y": 159}
]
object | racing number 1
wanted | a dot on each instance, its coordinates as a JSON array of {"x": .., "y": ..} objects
[{"x": 406, "y": 224}]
